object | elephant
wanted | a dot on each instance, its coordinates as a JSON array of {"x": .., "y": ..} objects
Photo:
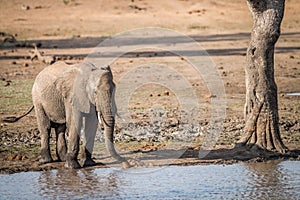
[{"x": 74, "y": 99}]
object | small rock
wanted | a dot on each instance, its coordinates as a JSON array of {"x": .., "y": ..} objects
[
  {"x": 24, "y": 158},
  {"x": 11, "y": 157},
  {"x": 18, "y": 157},
  {"x": 166, "y": 93},
  {"x": 14, "y": 62},
  {"x": 38, "y": 7},
  {"x": 7, "y": 83},
  {"x": 208, "y": 96},
  {"x": 292, "y": 57},
  {"x": 50, "y": 59},
  {"x": 25, "y": 65},
  {"x": 24, "y": 7}
]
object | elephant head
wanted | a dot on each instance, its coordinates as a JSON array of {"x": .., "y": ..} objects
[{"x": 94, "y": 95}]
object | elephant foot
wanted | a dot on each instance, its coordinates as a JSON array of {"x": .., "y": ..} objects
[
  {"x": 44, "y": 160},
  {"x": 88, "y": 162},
  {"x": 72, "y": 164},
  {"x": 45, "y": 156}
]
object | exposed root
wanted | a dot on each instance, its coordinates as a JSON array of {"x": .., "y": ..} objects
[
  {"x": 251, "y": 124},
  {"x": 261, "y": 131},
  {"x": 35, "y": 54}
]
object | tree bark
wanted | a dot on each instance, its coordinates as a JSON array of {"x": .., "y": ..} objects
[{"x": 261, "y": 107}]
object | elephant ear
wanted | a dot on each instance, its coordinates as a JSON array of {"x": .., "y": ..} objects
[{"x": 81, "y": 100}]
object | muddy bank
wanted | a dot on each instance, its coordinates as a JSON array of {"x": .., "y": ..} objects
[
  {"x": 20, "y": 151},
  {"x": 145, "y": 131}
]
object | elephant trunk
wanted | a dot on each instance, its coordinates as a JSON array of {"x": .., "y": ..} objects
[{"x": 108, "y": 119}]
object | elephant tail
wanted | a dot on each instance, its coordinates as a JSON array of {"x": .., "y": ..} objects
[{"x": 13, "y": 119}]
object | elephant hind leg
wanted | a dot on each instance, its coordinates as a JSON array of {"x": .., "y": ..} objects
[
  {"x": 44, "y": 126},
  {"x": 73, "y": 148},
  {"x": 61, "y": 145}
]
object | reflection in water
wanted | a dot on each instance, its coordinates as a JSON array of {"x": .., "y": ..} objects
[
  {"x": 83, "y": 183},
  {"x": 265, "y": 180},
  {"x": 272, "y": 180}
]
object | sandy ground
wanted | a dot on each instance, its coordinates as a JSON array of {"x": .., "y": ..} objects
[{"x": 69, "y": 30}]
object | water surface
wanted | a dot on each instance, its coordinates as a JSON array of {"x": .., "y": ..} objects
[
  {"x": 293, "y": 94},
  {"x": 271, "y": 180}
]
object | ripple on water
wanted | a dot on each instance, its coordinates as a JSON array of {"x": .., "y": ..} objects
[{"x": 273, "y": 180}]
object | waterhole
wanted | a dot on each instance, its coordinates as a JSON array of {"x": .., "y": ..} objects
[{"x": 263, "y": 180}]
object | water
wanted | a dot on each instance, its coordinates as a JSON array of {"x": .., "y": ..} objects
[
  {"x": 293, "y": 94},
  {"x": 272, "y": 180}
]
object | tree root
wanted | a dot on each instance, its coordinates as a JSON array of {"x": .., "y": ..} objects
[{"x": 35, "y": 54}]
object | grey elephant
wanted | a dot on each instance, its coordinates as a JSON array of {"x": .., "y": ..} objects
[{"x": 73, "y": 99}]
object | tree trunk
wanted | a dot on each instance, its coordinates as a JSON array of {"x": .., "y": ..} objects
[{"x": 261, "y": 108}]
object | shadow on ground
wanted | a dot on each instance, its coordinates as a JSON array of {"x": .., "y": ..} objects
[
  {"x": 240, "y": 153},
  {"x": 92, "y": 42}
]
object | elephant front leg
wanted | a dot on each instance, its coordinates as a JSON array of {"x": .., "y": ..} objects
[
  {"x": 90, "y": 130},
  {"x": 86, "y": 158},
  {"x": 73, "y": 149}
]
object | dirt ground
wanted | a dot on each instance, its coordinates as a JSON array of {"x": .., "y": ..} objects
[{"x": 68, "y": 30}]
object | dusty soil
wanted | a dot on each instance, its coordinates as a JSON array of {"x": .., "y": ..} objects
[{"x": 69, "y": 30}]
